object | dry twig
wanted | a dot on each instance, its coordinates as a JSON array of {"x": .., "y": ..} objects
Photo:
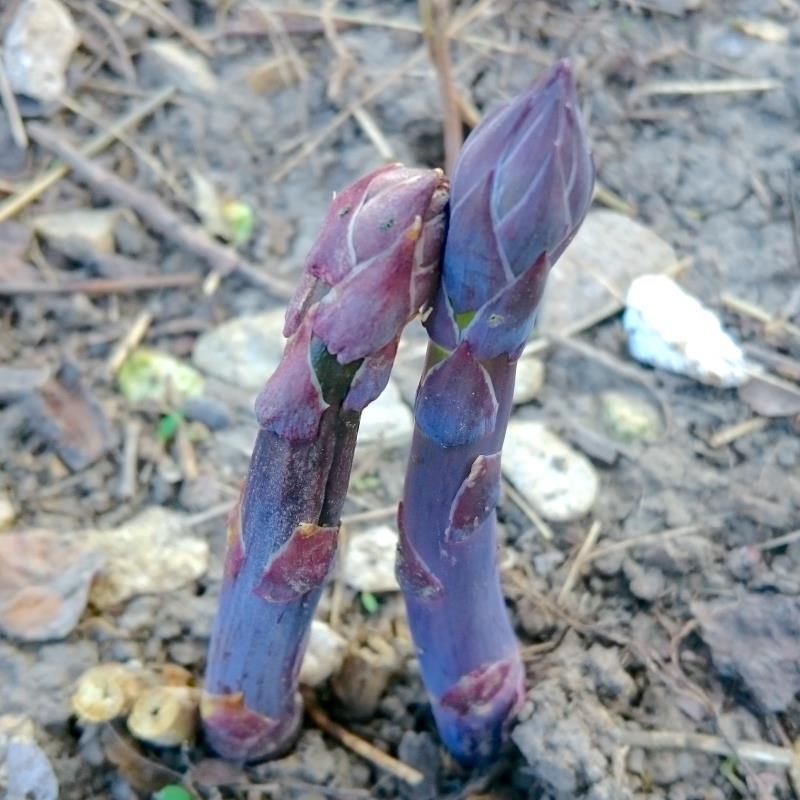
[
  {"x": 132, "y": 338},
  {"x": 727, "y": 86},
  {"x": 581, "y": 559},
  {"x": 759, "y": 752},
  {"x": 311, "y": 144},
  {"x": 730, "y": 433},
  {"x": 14, "y": 204},
  {"x": 658, "y": 537},
  {"x": 100, "y": 286},
  {"x": 361, "y": 746},
  {"x": 160, "y": 217},
  {"x": 435, "y": 17},
  {"x": 15, "y": 123},
  {"x": 529, "y": 511}
]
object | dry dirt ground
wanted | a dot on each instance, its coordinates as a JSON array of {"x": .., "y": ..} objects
[{"x": 683, "y": 617}]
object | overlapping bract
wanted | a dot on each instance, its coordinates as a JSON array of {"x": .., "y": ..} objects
[
  {"x": 373, "y": 268},
  {"x": 521, "y": 188}
]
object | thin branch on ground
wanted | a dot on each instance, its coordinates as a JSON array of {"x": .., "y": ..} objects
[
  {"x": 135, "y": 334},
  {"x": 758, "y": 752},
  {"x": 15, "y": 203},
  {"x": 361, "y": 746},
  {"x": 157, "y": 215},
  {"x": 101, "y": 286},
  {"x": 581, "y": 560},
  {"x": 15, "y": 123},
  {"x": 435, "y": 16}
]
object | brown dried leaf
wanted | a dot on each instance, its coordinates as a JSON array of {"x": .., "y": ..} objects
[
  {"x": 142, "y": 773},
  {"x": 44, "y": 584},
  {"x": 70, "y": 419},
  {"x": 771, "y": 396}
]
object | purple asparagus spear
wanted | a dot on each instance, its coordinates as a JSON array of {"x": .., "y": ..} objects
[
  {"x": 373, "y": 267},
  {"x": 520, "y": 190}
]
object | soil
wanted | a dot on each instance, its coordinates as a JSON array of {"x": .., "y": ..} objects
[{"x": 648, "y": 637}]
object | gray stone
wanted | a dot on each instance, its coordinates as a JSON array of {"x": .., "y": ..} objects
[
  {"x": 39, "y": 43},
  {"x": 755, "y": 639},
  {"x": 243, "y": 351},
  {"x": 419, "y": 750},
  {"x": 78, "y": 232},
  {"x": 646, "y": 584},
  {"x": 212, "y": 413},
  {"x": 560, "y": 483}
]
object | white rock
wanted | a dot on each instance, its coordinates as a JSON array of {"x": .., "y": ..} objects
[
  {"x": 388, "y": 419},
  {"x": 529, "y": 380},
  {"x": 149, "y": 554},
  {"x": 557, "y": 481},
  {"x": 187, "y": 70},
  {"x": 38, "y": 45},
  {"x": 72, "y": 232},
  {"x": 243, "y": 351},
  {"x": 669, "y": 329},
  {"x": 369, "y": 564},
  {"x": 324, "y": 654}
]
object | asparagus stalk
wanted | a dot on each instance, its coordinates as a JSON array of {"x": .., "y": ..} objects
[
  {"x": 373, "y": 267},
  {"x": 520, "y": 189}
]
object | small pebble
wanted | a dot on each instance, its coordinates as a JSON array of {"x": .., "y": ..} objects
[
  {"x": 629, "y": 418},
  {"x": 369, "y": 564},
  {"x": 186, "y": 652},
  {"x": 545, "y": 563},
  {"x": 646, "y": 584},
  {"x": 39, "y": 42},
  {"x": 560, "y": 483},
  {"x": 244, "y": 351},
  {"x": 213, "y": 414},
  {"x": 324, "y": 654}
]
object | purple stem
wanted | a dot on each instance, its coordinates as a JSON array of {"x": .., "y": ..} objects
[
  {"x": 257, "y": 644},
  {"x": 465, "y": 643}
]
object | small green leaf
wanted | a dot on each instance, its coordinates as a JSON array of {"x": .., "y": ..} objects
[
  {"x": 370, "y": 602},
  {"x": 151, "y": 376},
  {"x": 172, "y": 792},
  {"x": 239, "y": 218},
  {"x": 366, "y": 483},
  {"x": 168, "y": 426}
]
